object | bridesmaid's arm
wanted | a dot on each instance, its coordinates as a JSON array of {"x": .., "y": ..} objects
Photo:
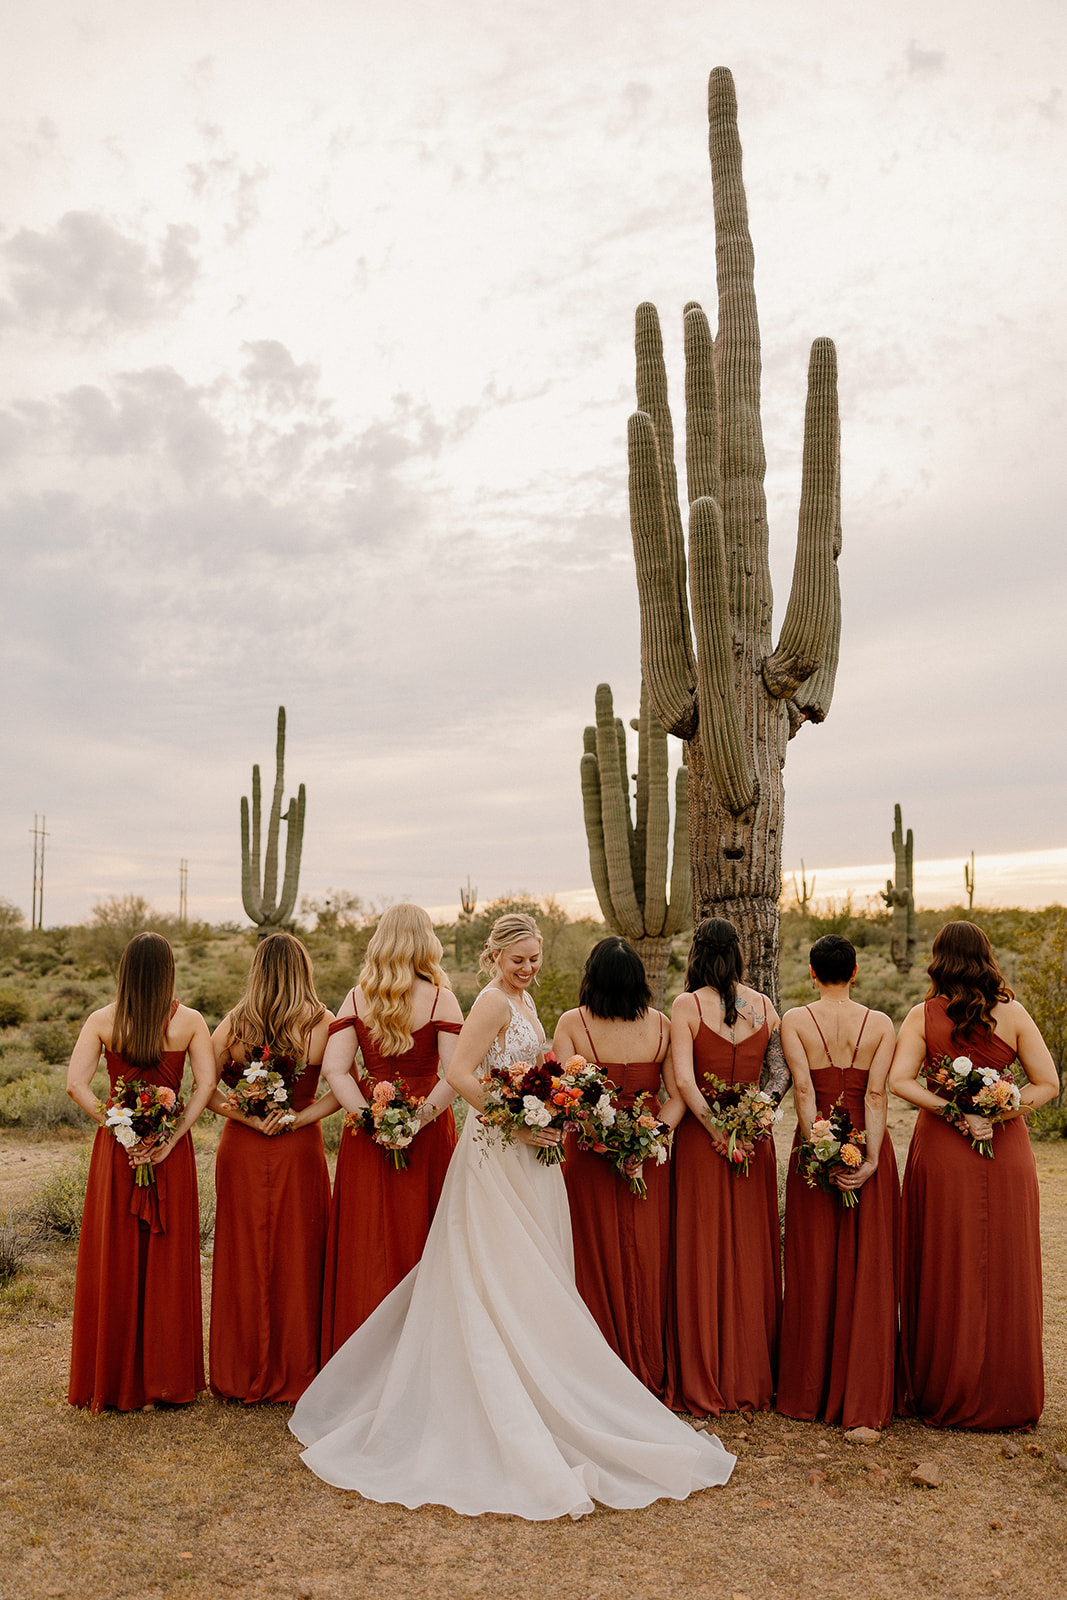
[
  {"x": 564, "y": 1040},
  {"x": 442, "y": 1094},
  {"x": 338, "y": 1060},
  {"x": 1037, "y": 1063},
  {"x": 684, "y": 1022},
  {"x": 84, "y": 1060},
  {"x": 775, "y": 1076},
  {"x": 673, "y": 1108},
  {"x": 908, "y": 1058},
  {"x": 202, "y": 1066},
  {"x": 875, "y": 1110},
  {"x": 327, "y": 1103},
  {"x": 796, "y": 1058},
  {"x": 224, "y": 1105}
]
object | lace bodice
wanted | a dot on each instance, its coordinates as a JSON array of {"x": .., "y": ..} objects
[{"x": 523, "y": 1041}]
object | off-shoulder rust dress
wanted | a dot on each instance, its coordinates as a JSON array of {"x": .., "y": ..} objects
[
  {"x": 273, "y": 1208},
  {"x": 380, "y": 1217},
  {"x": 725, "y": 1294},
  {"x": 621, "y": 1243},
  {"x": 138, "y": 1334},
  {"x": 971, "y": 1312},
  {"x": 839, "y": 1317}
]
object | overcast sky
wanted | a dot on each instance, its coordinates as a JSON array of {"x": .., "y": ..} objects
[{"x": 316, "y": 332}]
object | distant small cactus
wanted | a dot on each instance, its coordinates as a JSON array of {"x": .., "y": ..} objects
[
  {"x": 899, "y": 895},
  {"x": 804, "y": 895},
  {"x": 968, "y": 881},
  {"x": 261, "y": 900}
]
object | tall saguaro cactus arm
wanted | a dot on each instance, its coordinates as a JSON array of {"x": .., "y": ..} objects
[{"x": 261, "y": 900}]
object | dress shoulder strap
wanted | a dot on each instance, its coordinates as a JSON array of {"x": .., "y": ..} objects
[
  {"x": 433, "y": 1008},
  {"x": 660, "y": 1052},
  {"x": 859, "y": 1036},
  {"x": 700, "y": 1013},
  {"x": 589, "y": 1036},
  {"x": 822, "y": 1036}
]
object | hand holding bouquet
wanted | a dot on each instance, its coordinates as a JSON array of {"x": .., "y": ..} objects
[
  {"x": 392, "y": 1118},
  {"x": 975, "y": 1091},
  {"x": 142, "y": 1114},
  {"x": 835, "y": 1143},
  {"x": 636, "y": 1136},
  {"x": 265, "y": 1086},
  {"x": 745, "y": 1114},
  {"x": 574, "y": 1098}
]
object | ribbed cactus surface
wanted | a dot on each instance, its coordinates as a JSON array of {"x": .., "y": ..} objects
[
  {"x": 717, "y": 680},
  {"x": 899, "y": 895},
  {"x": 629, "y": 847},
  {"x": 261, "y": 899}
]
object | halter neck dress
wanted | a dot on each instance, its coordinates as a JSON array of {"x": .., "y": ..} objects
[
  {"x": 725, "y": 1294},
  {"x": 482, "y": 1382},
  {"x": 379, "y": 1217},
  {"x": 971, "y": 1308},
  {"x": 842, "y": 1280},
  {"x": 138, "y": 1334},
  {"x": 622, "y": 1243}
]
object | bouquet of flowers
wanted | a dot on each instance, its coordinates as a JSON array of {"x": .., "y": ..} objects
[
  {"x": 980, "y": 1091},
  {"x": 835, "y": 1142},
  {"x": 142, "y": 1113},
  {"x": 574, "y": 1097},
  {"x": 636, "y": 1135},
  {"x": 744, "y": 1112},
  {"x": 391, "y": 1119},
  {"x": 265, "y": 1085}
]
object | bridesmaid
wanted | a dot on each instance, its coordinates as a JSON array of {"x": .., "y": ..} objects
[
  {"x": 272, "y": 1186},
  {"x": 621, "y": 1242},
  {"x": 138, "y": 1335},
  {"x": 970, "y": 1325},
  {"x": 839, "y": 1318},
  {"x": 404, "y": 1018},
  {"x": 725, "y": 1296}
]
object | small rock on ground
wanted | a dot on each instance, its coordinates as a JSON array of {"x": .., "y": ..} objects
[
  {"x": 863, "y": 1435},
  {"x": 928, "y": 1475}
]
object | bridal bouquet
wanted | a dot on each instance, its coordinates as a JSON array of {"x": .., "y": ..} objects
[
  {"x": 392, "y": 1118},
  {"x": 265, "y": 1085},
  {"x": 835, "y": 1142},
  {"x": 636, "y": 1135},
  {"x": 574, "y": 1097},
  {"x": 745, "y": 1113},
  {"x": 142, "y": 1113},
  {"x": 979, "y": 1091}
]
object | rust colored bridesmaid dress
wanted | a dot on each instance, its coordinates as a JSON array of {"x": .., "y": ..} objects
[
  {"x": 272, "y": 1211},
  {"x": 138, "y": 1335},
  {"x": 621, "y": 1243},
  {"x": 380, "y": 1217},
  {"x": 839, "y": 1317},
  {"x": 970, "y": 1324},
  {"x": 725, "y": 1294}
]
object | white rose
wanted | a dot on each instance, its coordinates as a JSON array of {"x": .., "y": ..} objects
[
  {"x": 661, "y": 1155},
  {"x": 605, "y": 1111},
  {"x": 280, "y": 1094},
  {"x": 124, "y": 1134},
  {"x": 536, "y": 1114},
  {"x": 962, "y": 1066}
]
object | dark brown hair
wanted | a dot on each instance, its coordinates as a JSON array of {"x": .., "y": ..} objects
[
  {"x": 142, "y": 1005},
  {"x": 964, "y": 971},
  {"x": 715, "y": 961},
  {"x": 614, "y": 985}
]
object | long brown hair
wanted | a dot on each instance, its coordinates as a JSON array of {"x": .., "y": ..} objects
[
  {"x": 279, "y": 1007},
  {"x": 404, "y": 948},
  {"x": 716, "y": 962},
  {"x": 963, "y": 970},
  {"x": 142, "y": 1004}
]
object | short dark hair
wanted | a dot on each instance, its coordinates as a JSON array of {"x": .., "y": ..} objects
[
  {"x": 614, "y": 985},
  {"x": 832, "y": 958},
  {"x": 716, "y": 962}
]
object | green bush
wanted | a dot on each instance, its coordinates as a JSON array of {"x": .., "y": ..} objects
[
  {"x": 53, "y": 1041},
  {"x": 56, "y": 1208},
  {"x": 15, "y": 1006},
  {"x": 19, "y": 1061},
  {"x": 14, "y": 1246},
  {"x": 205, "y": 1188},
  {"x": 1048, "y": 1122},
  {"x": 39, "y": 1103}
]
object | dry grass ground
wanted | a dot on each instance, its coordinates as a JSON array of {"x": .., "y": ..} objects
[{"x": 211, "y": 1502}]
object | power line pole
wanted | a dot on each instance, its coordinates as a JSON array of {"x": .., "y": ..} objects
[
  {"x": 183, "y": 893},
  {"x": 39, "y": 836}
]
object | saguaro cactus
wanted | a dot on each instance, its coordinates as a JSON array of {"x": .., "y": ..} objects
[
  {"x": 722, "y": 686},
  {"x": 262, "y": 902},
  {"x": 899, "y": 895},
  {"x": 968, "y": 881},
  {"x": 628, "y": 856}
]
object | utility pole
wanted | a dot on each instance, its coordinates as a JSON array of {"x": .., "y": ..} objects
[
  {"x": 39, "y": 837},
  {"x": 183, "y": 893}
]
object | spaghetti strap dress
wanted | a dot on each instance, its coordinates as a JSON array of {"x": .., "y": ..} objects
[
  {"x": 379, "y": 1217},
  {"x": 725, "y": 1293},
  {"x": 138, "y": 1334},
  {"x": 842, "y": 1280},
  {"x": 621, "y": 1243},
  {"x": 272, "y": 1211},
  {"x": 971, "y": 1309},
  {"x": 482, "y": 1382}
]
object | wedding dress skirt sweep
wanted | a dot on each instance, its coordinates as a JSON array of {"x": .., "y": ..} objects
[{"x": 482, "y": 1382}]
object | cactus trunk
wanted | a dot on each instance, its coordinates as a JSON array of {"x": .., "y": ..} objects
[{"x": 261, "y": 900}]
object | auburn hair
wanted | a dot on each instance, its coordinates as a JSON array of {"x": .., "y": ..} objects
[
  {"x": 279, "y": 1007},
  {"x": 403, "y": 949},
  {"x": 963, "y": 970},
  {"x": 143, "y": 1001}
]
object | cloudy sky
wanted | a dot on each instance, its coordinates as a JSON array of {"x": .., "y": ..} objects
[{"x": 316, "y": 327}]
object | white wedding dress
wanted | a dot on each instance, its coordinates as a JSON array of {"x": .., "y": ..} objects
[{"x": 482, "y": 1382}]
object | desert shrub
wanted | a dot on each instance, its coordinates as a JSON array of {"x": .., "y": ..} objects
[
  {"x": 12, "y": 923},
  {"x": 18, "y": 1061},
  {"x": 38, "y": 1103},
  {"x": 56, "y": 1208},
  {"x": 15, "y": 1007},
  {"x": 332, "y": 1130},
  {"x": 1043, "y": 983},
  {"x": 205, "y": 1186},
  {"x": 835, "y": 917},
  {"x": 1048, "y": 1122},
  {"x": 14, "y": 1246},
  {"x": 53, "y": 1041},
  {"x": 114, "y": 923}
]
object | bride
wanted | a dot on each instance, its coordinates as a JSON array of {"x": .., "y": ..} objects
[{"x": 482, "y": 1382}]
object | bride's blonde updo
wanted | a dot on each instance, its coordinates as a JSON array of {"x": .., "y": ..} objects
[{"x": 507, "y": 930}]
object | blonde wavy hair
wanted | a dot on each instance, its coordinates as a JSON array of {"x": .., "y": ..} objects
[
  {"x": 507, "y": 930},
  {"x": 404, "y": 948},
  {"x": 279, "y": 1007}
]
